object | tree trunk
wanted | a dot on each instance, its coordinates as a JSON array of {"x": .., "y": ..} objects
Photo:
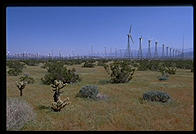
[
  {"x": 56, "y": 96},
  {"x": 20, "y": 92}
]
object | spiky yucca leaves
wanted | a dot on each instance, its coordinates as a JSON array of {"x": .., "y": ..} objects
[
  {"x": 89, "y": 91},
  {"x": 21, "y": 85},
  {"x": 27, "y": 78},
  {"x": 172, "y": 69},
  {"x": 58, "y": 104},
  {"x": 156, "y": 96},
  {"x": 120, "y": 72},
  {"x": 164, "y": 71}
]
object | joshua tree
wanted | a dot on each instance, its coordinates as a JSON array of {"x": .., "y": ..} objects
[
  {"x": 58, "y": 104},
  {"x": 21, "y": 85}
]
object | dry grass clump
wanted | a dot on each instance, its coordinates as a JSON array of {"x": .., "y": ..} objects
[{"x": 18, "y": 113}]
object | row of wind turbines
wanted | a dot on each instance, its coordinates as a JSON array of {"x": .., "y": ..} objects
[{"x": 170, "y": 53}]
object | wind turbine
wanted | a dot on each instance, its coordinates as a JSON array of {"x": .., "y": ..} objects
[{"x": 129, "y": 36}]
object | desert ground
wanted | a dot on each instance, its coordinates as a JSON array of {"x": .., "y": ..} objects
[{"x": 123, "y": 110}]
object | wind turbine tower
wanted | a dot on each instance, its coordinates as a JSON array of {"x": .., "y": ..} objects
[
  {"x": 140, "y": 48},
  {"x": 173, "y": 53},
  {"x": 128, "y": 48},
  {"x": 163, "y": 53},
  {"x": 115, "y": 52},
  {"x": 156, "y": 52},
  {"x": 167, "y": 52},
  {"x": 170, "y": 52},
  {"x": 105, "y": 52},
  {"x": 149, "y": 52},
  {"x": 183, "y": 48}
]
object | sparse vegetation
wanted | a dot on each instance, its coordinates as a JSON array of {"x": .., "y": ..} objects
[{"x": 122, "y": 111}]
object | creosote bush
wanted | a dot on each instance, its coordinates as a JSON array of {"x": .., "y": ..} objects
[
  {"x": 120, "y": 72},
  {"x": 31, "y": 62},
  {"x": 18, "y": 113},
  {"x": 15, "y": 67},
  {"x": 156, "y": 96},
  {"x": 58, "y": 71},
  {"x": 88, "y": 64},
  {"x": 89, "y": 91}
]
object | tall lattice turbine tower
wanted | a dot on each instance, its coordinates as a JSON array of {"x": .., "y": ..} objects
[
  {"x": 170, "y": 55},
  {"x": 167, "y": 52},
  {"x": 183, "y": 48},
  {"x": 173, "y": 53},
  {"x": 156, "y": 52},
  {"x": 149, "y": 51},
  {"x": 140, "y": 48},
  {"x": 129, "y": 54},
  {"x": 163, "y": 53}
]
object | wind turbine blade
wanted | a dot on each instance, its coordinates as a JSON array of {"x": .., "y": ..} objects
[
  {"x": 131, "y": 39},
  {"x": 130, "y": 29}
]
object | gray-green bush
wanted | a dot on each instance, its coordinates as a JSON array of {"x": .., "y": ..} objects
[
  {"x": 89, "y": 91},
  {"x": 159, "y": 96},
  {"x": 18, "y": 113}
]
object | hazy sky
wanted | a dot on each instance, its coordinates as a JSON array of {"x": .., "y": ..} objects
[{"x": 75, "y": 29}]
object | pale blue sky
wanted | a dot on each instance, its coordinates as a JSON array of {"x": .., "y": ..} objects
[{"x": 67, "y": 29}]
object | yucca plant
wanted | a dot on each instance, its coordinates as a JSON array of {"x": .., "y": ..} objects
[
  {"x": 21, "y": 85},
  {"x": 27, "y": 78},
  {"x": 58, "y": 104}
]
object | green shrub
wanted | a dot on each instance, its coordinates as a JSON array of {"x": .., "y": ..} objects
[
  {"x": 89, "y": 91},
  {"x": 88, "y": 64},
  {"x": 14, "y": 71},
  {"x": 58, "y": 71},
  {"x": 15, "y": 67},
  {"x": 27, "y": 78},
  {"x": 31, "y": 62},
  {"x": 120, "y": 72},
  {"x": 171, "y": 69},
  {"x": 156, "y": 96}
]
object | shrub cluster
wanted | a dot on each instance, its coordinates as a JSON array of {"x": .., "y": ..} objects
[
  {"x": 156, "y": 96},
  {"x": 15, "y": 67},
  {"x": 120, "y": 72},
  {"x": 31, "y": 62},
  {"x": 58, "y": 71},
  {"x": 88, "y": 64},
  {"x": 89, "y": 91}
]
